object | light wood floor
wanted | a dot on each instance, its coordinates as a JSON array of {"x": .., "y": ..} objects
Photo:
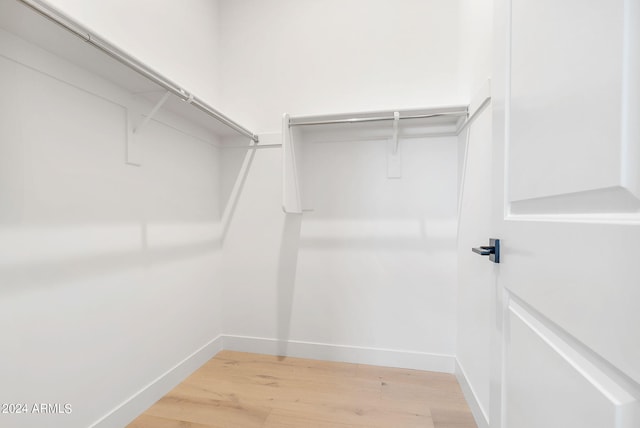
[{"x": 241, "y": 390}]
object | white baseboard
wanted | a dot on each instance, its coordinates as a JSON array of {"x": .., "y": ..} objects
[
  {"x": 479, "y": 415},
  {"x": 143, "y": 399},
  {"x": 342, "y": 353}
]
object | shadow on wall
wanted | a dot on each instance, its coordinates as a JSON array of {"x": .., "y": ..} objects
[
  {"x": 237, "y": 159},
  {"x": 287, "y": 267},
  {"x": 41, "y": 255},
  {"x": 56, "y": 270},
  {"x": 377, "y": 256}
]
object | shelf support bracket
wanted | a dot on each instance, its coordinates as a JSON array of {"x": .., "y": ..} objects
[
  {"x": 394, "y": 160},
  {"x": 134, "y": 127},
  {"x": 396, "y": 120},
  {"x": 152, "y": 113}
]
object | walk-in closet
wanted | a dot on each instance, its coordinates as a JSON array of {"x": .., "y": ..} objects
[{"x": 319, "y": 213}]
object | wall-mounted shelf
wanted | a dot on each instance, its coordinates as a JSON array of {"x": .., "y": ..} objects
[
  {"x": 438, "y": 121},
  {"x": 40, "y": 24},
  {"x": 391, "y": 125}
]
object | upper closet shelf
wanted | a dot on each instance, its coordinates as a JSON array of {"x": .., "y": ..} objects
[
  {"x": 433, "y": 121},
  {"x": 39, "y": 23},
  {"x": 391, "y": 125}
]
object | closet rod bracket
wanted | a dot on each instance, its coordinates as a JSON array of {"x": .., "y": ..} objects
[
  {"x": 396, "y": 120},
  {"x": 394, "y": 161}
]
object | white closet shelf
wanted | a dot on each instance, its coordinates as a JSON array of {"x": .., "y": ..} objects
[
  {"x": 438, "y": 120},
  {"x": 390, "y": 125},
  {"x": 42, "y": 25}
]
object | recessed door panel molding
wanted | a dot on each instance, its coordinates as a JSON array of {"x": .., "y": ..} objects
[
  {"x": 574, "y": 89},
  {"x": 551, "y": 384}
]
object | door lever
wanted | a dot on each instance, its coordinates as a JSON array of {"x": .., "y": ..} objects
[
  {"x": 492, "y": 250},
  {"x": 484, "y": 251}
]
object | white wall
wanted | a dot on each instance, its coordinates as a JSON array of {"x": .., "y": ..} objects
[
  {"x": 377, "y": 255},
  {"x": 177, "y": 38},
  {"x": 374, "y": 266},
  {"x": 306, "y": 56},
  {"x": 108, "y": 272},
  {"x": 475, "y": 275},
  {"x": 114, "y": 257},
  {"x": 474, "y": 48}
]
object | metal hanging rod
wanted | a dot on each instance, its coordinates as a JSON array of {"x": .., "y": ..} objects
[
  {"x": 376, "y": 118},
  {"x": 137, "y": 66}
]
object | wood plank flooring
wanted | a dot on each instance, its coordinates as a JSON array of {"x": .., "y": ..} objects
[{"x": 242, "y": 390}]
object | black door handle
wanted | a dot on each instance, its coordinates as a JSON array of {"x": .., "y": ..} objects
[
  {"x": 492, "y": 250},
  {"x": 484, "y": 251}
]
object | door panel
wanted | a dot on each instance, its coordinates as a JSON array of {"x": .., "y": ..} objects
[
  {"x": 549, "y": 384},
  {"x": 567, "y": 98},
  {"x": 564, "y": 152},
  {"x": 583, "y": 277},
  {"x": 567, "y": 209}
]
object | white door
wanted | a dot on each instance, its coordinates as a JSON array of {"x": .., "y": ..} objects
[{"x": 566, "y": 127}]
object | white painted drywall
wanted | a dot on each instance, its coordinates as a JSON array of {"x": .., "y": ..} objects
[
  {"x": 381, "y": 278},
  {"x": 178, "y": 39},
  {"x": 476, "y": 280},
  {"x": 374, "y": 266},
  {"x": 307, "y": 56},
  {"x": 377, "y": 255},
  {"x": 474, "y": 48},
  {"x": 108, "y": 272}
]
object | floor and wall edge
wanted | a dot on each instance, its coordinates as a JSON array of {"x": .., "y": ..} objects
[
  {"x": 135, "y": 405},
  {"x": 476, "y": 409},
  {"x": 342, "y": 353},
  {"x": 131, "y": 408}
]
